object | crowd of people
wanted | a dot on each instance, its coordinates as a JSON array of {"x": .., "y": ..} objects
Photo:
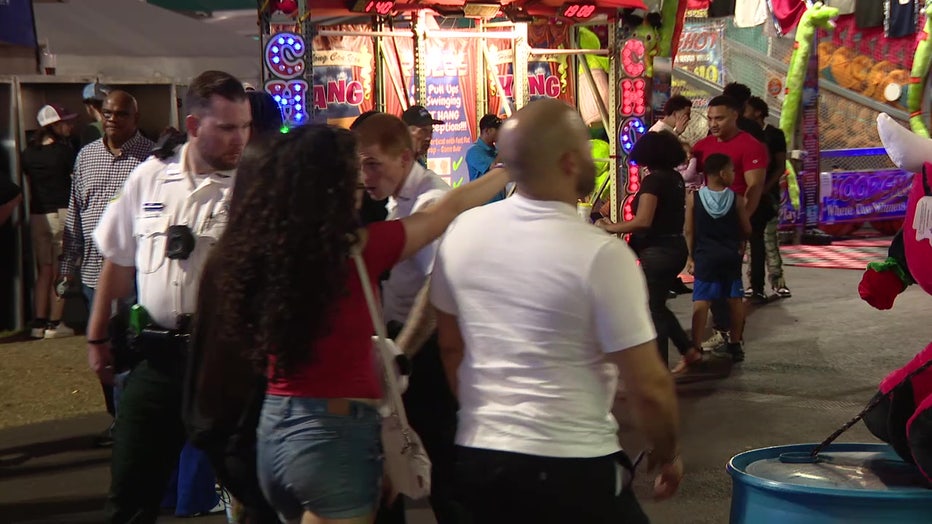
[
  {"x": 699, "y": 207},
  {"x": 516, "y": 319}
]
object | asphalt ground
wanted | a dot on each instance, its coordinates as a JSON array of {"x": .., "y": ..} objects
[{"x": 813, "y": 361}]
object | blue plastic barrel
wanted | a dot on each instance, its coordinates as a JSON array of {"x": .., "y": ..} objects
[{"x": 849, "y": 484}]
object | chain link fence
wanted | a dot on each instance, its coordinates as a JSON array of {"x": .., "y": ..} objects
[{"x": 758, "y": 58}]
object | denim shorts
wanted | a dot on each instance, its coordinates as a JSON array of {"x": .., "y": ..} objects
[
  {"x": 704, "y": 290},
  {"x": 310, "y": 459}
]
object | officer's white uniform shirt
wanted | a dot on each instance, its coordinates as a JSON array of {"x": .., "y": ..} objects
[
  {"x": 132, "y": 230},
  {"x": 422, "y": 188}
]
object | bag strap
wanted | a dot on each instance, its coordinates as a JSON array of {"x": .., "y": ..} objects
[{"x": 388, "y": 361}]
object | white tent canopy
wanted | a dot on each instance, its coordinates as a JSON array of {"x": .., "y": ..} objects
[{"x": 133, "y": 39}]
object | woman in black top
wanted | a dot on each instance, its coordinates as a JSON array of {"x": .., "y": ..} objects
[{"x": 657, "y": 230}]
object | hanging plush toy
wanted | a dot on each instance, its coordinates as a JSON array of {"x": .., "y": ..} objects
[
  {"x": 648, "y": 30},
  {"x": 903, "y": 415}
]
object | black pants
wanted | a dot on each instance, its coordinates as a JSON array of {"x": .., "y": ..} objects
[
  {"x": 237, "y": 472},
  {"x": 758, "y": 255},
  {"x": 149, "y": 436},
  {"x": 431, "y": 409},
  {"x": 501, "y": 487},
  {"x": 662, "y": 262},
  {"x": 235, "y": 466}
]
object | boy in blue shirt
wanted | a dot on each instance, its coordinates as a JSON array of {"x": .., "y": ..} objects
[{"x": 717, "y": 225}]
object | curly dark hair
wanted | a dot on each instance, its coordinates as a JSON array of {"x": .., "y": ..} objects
[
  {"x": 658, "y": 150},
  {"x": 282, "y": 261}
]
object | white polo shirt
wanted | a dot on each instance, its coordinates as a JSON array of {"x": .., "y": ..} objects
[
  {"x": 132, "y": 230},
  {"x": 420, "y": 189},
  {"x": 539, "y": 303}
]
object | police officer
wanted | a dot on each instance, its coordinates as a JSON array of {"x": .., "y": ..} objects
[{"x": 161, "y": 229}]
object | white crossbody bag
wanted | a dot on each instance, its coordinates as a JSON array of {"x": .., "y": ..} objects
[{"x": 406, "y": 461}]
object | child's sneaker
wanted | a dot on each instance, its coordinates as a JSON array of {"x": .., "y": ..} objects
[
  {"x": 58, "y": 330},
  {"x": 717, "y": 340}
]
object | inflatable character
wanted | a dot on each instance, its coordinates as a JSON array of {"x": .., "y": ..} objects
[
  {"x": 918, "y": 77},
  {"x": 815, "y": 16},
  {"x": 902, "y": 416}
]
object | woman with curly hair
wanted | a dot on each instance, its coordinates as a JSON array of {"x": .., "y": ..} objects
[
  {"x": 657, "y": 233},
  {"x": 285, "y": 293}
]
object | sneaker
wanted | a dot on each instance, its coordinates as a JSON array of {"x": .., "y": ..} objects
[
  {"x": 782, "y": 292},
  {"x": 749, "y": 292},
  {"x": 105, "y": 438},
  {"x": 59, "y": 330},
  {"x": 756, "y": 297},
  {"x": 37, "y": 328},
  {"x": 717, "y": 340},
  {"x": 736, "y": 350}
]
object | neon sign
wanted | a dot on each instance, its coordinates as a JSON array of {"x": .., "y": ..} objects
[
  {"x": 284, "y": 58},
  {"x": 632, "y": 57},
  {"x": 631, "y": 131},
  {"x": 632, "y": 108},
  {"x": 577, "y": 10},
  {"x": 633, "y": 97},
  {"x": 374, "y": 7}
]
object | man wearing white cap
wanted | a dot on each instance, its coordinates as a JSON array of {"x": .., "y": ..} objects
[
  {"x": 94, "y": 95},
  {"x": 48, "y": 161}
]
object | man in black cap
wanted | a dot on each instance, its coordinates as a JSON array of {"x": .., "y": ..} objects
[
  {"x": 482, "y": 154},
  {"x": 421, "y": 125}
]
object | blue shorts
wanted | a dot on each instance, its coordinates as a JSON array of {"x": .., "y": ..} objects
[
  {"x": 310, "y": 459},
  {"x": 717, "y": 290}
]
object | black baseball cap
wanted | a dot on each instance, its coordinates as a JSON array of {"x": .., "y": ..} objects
[
  {"x": 418, "y": 116},
  {"x": 490, "y": 121}
]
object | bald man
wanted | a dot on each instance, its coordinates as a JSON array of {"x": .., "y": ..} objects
[
  {"x": 533, "y": 345},
  {"x": 99, "y": 172}
]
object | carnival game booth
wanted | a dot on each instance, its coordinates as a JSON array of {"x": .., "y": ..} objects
[
  {"x": 845, "y": 70},
  {"x": 462, "y": 60}
]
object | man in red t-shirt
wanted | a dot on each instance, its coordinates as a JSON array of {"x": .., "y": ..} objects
[{"x": 749, "y": 157}]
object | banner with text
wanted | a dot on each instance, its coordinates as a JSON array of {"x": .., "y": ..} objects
[
  {"x": 857, "y": 196},
  {"x": 548, "y": 76},
  {"x": 701, "y": 50},
  {"x": 450, "y": 78},
  {"x": 343, "y": 77},
  {"x": 451, "y": 96}
]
